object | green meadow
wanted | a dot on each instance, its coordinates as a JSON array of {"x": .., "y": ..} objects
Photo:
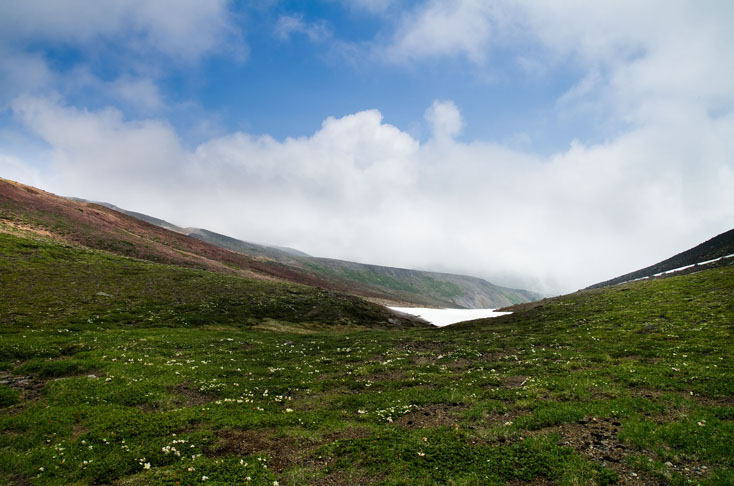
[{"x": 121, "y": 372}]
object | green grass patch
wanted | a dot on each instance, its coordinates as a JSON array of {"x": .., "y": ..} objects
[{"x": 177, "y": 376}]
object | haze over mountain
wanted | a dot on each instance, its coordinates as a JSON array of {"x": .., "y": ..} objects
[
  {"x": 141, "y": 236},
  {"x": 717, "y": 251},
  {"x": 539, "y": 145},
  {"x": 493, "y": 145},
  {"x": 418, "y": 287}
]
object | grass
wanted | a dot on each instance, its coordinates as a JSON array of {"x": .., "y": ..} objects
[
  {"x": 49, "y": 285},
  {"x": 115, "y": 371}
]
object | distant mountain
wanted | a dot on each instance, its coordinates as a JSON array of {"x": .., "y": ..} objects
[
  {"x": 140, "y": 216},
  {"x": 246, "y": 247},
  {"x": 223, "y": 241},
  {"x": 404, "y": 285},
  {"x": 391, "y": 284},
  {"x": 419, "y": 287},
  {"x": 717, "y": 251},
  {"x": 107, "y": 227}
]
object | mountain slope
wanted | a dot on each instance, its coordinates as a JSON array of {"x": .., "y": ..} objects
[
  {"x": 426, "y": 288},
  {"x": 98, "y": 227},
  {"x": 122, "y": 372},
  {"x": 385, "y": 284},
  {"x": 222, "y": 241},
  {"x": 141, "y": 236},
  {"x": 49, "y": 284},
  {"x": 717, "y": 251},
  {"x": 252, "y": 249}
]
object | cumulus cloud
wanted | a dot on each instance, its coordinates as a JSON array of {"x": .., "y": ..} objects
[
  {"x": 22, "y": 72},
  {"x": 359, "y": 188},
  {"x": 639, "y": 55},
  {"x": 197, "y": 27},
  {"x": 373, "y": 6},
  {"x": 633, "y": 54},
  {"x": 287, "y": 25},
  {"x": 16, "y": 169},
  {"x": 140, "y": 156},
  {"x": 441, "y": 28},
  {"x": 444, "y": 118},
  {"x": 137, "y": 92},
  {"x": 140, "y": 36},
  {"x": 141, "y": 92}
]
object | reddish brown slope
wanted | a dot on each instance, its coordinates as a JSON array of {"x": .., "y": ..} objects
[{"x": 98, "y": 227}]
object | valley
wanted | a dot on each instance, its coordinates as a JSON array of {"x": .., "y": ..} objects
[{"x": 125, "y": 371}]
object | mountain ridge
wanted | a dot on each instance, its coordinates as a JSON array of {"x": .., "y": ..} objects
[
  {"x": 715, "y": 251},
  {"x": 417, "y": 287},
  {"x": 138, "y": 235}
]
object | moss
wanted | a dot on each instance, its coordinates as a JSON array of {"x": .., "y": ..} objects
[{"x": 199, "y": 374}]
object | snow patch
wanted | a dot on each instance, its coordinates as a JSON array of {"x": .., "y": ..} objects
[{"x": 444, "y": 317}]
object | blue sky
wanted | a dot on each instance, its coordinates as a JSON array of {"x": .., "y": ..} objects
[
  {"x": 516, "y": 141},
  {"x": 270, "y": 79}
]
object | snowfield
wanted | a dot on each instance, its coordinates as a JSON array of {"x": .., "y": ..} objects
[{"x": 444, "y": 317}]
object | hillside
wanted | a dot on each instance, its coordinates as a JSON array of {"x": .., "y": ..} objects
[
  {"x": 47, "y": 285},
  {"x": 223, "y": 241},
  {"x": 384, "y": 284},
  {"x": 253, "y": 249},
  {"x": 425, "y": 288},
  {"x": 717, "y": 251},
  {"x": 125, "y": 372},
  {"x": 100, "y": 227}
]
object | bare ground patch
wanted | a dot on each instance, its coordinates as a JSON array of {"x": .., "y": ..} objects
[
  {"x": 495, "y": 356},
  {"x": 348, "y": 433},
  {"x": 515, "y": 381},
  {"x": 283, "y": 452},
  {"x": 417, "y": 346},
  {"x": 434, "y": 415},
  {"x": 699, "y": 399},
  {"x": 187, "y": 395},
  {"x": 424, "y": 360},
  {"x": 28, "y": 387},
  {"x": 597, "y": 441},
  {"x": 347, "y": 478},
  {"x": 460, "y": 364},
  {"x": 387, "y": 375}
]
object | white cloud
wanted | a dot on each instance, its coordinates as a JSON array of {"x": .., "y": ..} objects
[
  {"x": 184, "y": 29},
  {"x": 15, "y": 169},
  {"x": 637, "y": 54},
  {"x": 139, "y": 93},
  {"x": 445, "y": 119},
  {"x": 287, "y": 25},
  {"x": 140, "y": 36},
  {"x": 142, "y": 93},
  {"x": 633, "y": 54},
  {"x": 89, "y": 148},
  {"x": 20, "y": 72},
  {"x": 372, "y": 6},
  {"x": 441, "y": 28},
  {"x": 362, "y": 189}
]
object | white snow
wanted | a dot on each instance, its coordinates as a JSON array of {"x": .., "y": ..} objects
[
  {"x": 679, "y": 269},
  {"x": 675, "y": 270},
  {"x": 444, "y": 317},
  {"x": 716, "y": 259}
]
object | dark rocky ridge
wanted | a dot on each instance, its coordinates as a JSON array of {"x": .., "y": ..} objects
[
  {"x": 140, "y": 236},
  {"x": 717, "y": 247},
  {"x": 387, "y": 284}
]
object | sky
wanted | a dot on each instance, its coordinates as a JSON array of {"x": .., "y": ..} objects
[{"x": 540, "y": 145}]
